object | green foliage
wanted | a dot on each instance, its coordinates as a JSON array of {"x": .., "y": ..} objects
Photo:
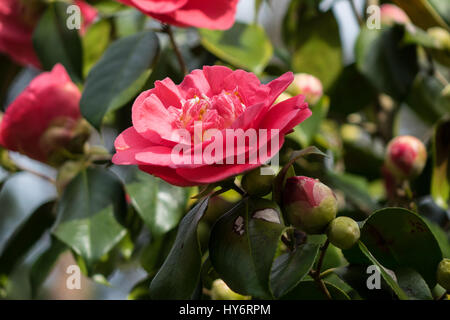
[
  {"x": 54, "y": 42},
  {"x": 119, "y": 75},
  {"x": 244, "y": 46}
]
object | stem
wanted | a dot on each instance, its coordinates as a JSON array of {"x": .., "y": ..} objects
[
  {"x": 168, "y": 30},
  {"x": 323, "y": 250},
  {"x": 355, "y": 12},
  {"x": 38, "y": 174},
  {"x": 327, "y": 272},
  {"x": 315, "y": 274}
]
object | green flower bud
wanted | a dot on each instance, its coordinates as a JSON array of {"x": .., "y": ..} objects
[
  {"x": 343, "y": 232},
  {"x": 443, "y": 274},
  {"x": 310, "y": 205},
  {"x": 220, "y": 291},
  {"x": 256, "y": 184}
]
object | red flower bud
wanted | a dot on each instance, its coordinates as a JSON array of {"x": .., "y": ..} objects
[
  {"x": 405, "y": 157},
  {"x": 391, "y": 14},
  {"x": 310, "y": 205}
]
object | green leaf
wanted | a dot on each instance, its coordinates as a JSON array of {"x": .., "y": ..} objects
[
  {"x": 26, "y": 236},
  {"x": 244, "y": 46},
  {"x": 140, "y": 290},
  {"x": 427, "y": 100},
  {"x": 413, "y": 284},
  {"x": 55, "y": 43},
  {"x": 440, "y": 181},
  {"x": 159, "y": 204},
  {"x": 390, "y": 234},
  {"x": 119, "y": 75},
  {"x": 242, "y": 249},
  {"x": 95, "y": 42},
  {"x": 442, "y": 7},
  {"x": 44, "y": 264},
  {"x": 386, "y": 276},
  {"x": 356, "y": 276},
  {"x": 291, "y": 268},
  {"x": 87, "y": 215},
  {"x": 304, "y": 133},
  {"x": 441, "y": 236},
  {"x": 318, "y": 48},
  {"x": 179, "y": 275},
  {"x": 309, "y": 290},
  {"x": 351, "y": 92},
  {"x": 388, "y": 64}
]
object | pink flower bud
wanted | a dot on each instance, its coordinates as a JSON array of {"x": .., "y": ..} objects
[
  {"x": 307, "y": 85},
  {"x": 391, "y": 14},
  {"x": 405, "y": 157},
  {"x": 310, "y": 205}
]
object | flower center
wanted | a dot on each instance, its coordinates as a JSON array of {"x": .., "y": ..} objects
[{"x": 217, "y": 112}]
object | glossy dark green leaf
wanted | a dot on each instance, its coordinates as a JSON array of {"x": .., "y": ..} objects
[
  {"x": 309, "y": 290},
  {"x": 290, "y": 268},
  {"x": 26, "y": 236},
  {"x": 55, "y": 43},
  {"x": 413, "y": 284},
  {"x": 386, "y": 276},
  {"x": 242, "y": 249},
  {"x": 390, "y": 233},
  {"x": 244, "y": 45},
  {"x": 159, "y": 204},
  {"x": 442, "y": 237},
  {"x": 179, "y": 275},
  {"x": 87, "y": 214},
  {"x": 119, "y": 75},
  {"x": 387, "y": 63},
  {"x": 356, "y": 276},
  {"x": 44, "y": 264},
  {"x": 440, "y": 181}
]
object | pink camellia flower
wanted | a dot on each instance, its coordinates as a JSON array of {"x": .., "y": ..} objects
[
  {"x": 16, "y": 29},
  {"x": 308, "y": 85},
  {"x": 391, "y": 14},
  {"x": 44, "y": 117},
  {"x": 211, "y": 113},
  {"x": 17, "y": 22},
  {"x": 217, "y": 14},
  {"x": 310, "y": 205},
  {"x": 405, "y": 157}
]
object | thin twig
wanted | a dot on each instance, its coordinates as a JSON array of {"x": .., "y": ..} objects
[
  {"x": 38, "y": 174},
  {"x": 168, "y": 30},
  {"x": 323, "y": 250}
]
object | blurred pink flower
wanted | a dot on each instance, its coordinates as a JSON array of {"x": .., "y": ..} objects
[
  {"x": 17, "y": 22},
  {"x": 42, "y": 118},
  {"x": 391, "y": 14},
  {"x": 217, "y": 14}
]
